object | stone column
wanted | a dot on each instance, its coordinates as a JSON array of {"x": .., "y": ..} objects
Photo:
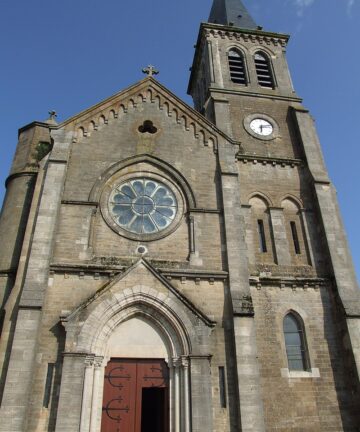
[
  {"x": 177, "y": 371},
  {"x": 216, "y": 61},
  {"x": 98, "y": 377},
  {"x": 87, "y": 394},
  {"x": 281, "y": 243},
  {"x": 71, "y": 391},
  {"x": 194, "y": 225},
  {"x": 249, "y": 234},
  {"x": 211, "y": 61},
  {"x": 171, "y": 396},
  {"x": 307, "y": 240},
  {"x": 201, "y": 394},
  {"x": 186, "y": 393}
]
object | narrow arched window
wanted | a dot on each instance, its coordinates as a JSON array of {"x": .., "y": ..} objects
[
  {"x": 237, "y": 67},
  {"x": 295, "y": 343},
  {"x": 263, "y": 70}
]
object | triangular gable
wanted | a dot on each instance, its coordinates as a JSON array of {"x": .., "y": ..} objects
[
  {"x": 118, "y": 278},
  {"x": 146, "y": 91}
]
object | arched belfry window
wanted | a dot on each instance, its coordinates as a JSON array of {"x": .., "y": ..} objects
[
  {"x": 237, "y": 67},
  {"x": 295, "y": 342},
  {"x": 263, "y": 70}
]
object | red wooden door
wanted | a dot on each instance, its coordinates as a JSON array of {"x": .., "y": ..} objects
[{"x": 125, "y": 381}]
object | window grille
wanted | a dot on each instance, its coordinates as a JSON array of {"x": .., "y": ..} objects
[
  {"x": 263, "y": 70},
  {"x": 295, "y": 343},
  {"x": 237, "y": 68}
]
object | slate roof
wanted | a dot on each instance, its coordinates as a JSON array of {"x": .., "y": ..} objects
[{"x": 231, "y": 12}]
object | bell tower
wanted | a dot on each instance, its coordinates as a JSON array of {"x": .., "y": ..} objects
[
  {"x": 236, "y": 58},
  {"x": 290, "y": 233}
]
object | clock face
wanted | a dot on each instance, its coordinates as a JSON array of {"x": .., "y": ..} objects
[{"x": 261, "y": 127}]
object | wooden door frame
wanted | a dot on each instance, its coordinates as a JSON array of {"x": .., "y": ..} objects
[
  {"x": 140, "y": 383},
  {"x": 179, "y": 394}
]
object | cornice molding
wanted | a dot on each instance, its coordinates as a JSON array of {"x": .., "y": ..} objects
[
  {"x": 303, "y": 283},
  {"x": 234, "y": 33},
  {"x": 98, "y": 270},
  {"x": 21, "y": 174},
  {"x": 266, "y": 160},
  {"x": 273, "y": 96}
]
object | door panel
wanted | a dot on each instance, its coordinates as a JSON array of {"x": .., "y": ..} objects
[
  {"x": 123, "y": 395},
  {"x": 119, "y": 404}
]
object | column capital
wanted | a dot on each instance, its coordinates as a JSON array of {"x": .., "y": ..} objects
[
  {"x": 89, "y": 361},
  {"x": 98, "y": 361},
  {"x": 176, "y": 362},
  {"x": 185, "y": 361}
]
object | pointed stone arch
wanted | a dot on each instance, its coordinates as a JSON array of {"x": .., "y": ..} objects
[
  {"x": 160, "y": 164},
  {"x": 172, "y": 323},
  {"x": 293, "y": 199},
  {"x": 262, "y": 196},
  {"x": 184, "y": 330}
]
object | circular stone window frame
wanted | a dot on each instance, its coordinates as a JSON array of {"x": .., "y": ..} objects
[
  {"x": 117, "y": 181},
  {"x": 276, "y": 130}
]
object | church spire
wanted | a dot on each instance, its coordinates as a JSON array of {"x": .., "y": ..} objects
[{"x": 231, "y": 12}]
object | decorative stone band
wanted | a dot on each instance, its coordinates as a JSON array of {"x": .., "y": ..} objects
[{"x": 270, "y": 161}]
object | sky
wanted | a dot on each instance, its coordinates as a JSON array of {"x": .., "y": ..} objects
[{"x": 69, "y": 55}]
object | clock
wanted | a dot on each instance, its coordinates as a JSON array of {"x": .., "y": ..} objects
[{"x": 261, "y": 127}]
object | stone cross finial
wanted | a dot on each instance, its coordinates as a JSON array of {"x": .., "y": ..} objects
[
  {"x": 53, "y": 115},
  {"x": 150, "y": 70}
]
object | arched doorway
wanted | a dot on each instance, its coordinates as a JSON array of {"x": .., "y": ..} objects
[
  {"x": 142, "y": 324},
  {"x": 136, "y": 381}
]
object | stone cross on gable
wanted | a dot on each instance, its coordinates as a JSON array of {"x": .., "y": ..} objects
[
  {"x": 53, "y": 115},
  {"x": 150, "y": 70}
]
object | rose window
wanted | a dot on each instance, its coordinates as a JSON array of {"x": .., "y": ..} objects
[{"x": 142, "y": 206}]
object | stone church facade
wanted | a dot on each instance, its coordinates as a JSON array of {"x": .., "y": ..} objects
[{"x": 171, "y": 269}]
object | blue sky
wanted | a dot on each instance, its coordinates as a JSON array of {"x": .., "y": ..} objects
[{"x": 71, "y": 54}]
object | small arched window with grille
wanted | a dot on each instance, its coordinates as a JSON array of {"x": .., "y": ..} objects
[
  {"x": 237, "y": 67},
  {"x": 263, "y": 70},
  {"x": 295, "y": 342}
]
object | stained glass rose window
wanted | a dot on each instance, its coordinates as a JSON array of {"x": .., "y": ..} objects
[{"x": 143, "y": 206}]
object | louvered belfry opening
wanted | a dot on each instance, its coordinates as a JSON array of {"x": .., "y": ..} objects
[
  {"x": 263, "y": 70},
  {"x": 237, "y": 68}
]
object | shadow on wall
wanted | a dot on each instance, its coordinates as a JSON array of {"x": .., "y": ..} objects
[
  {"x": 342, "y": 363},
  {"x": 59, "y": 332}
]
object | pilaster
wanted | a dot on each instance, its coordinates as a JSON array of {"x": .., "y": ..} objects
[
  {"x": 251, "y": 404},
  {"x": 248, "y": 374},
  {"x": 70, "y": 399},
  {"x": 201, "y": 394},
  {"x": 281, "y": 243},
  {"x": 341, "y": 260}
]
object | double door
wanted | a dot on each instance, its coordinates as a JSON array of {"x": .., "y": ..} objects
[{"x": 136, "y": 394}]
